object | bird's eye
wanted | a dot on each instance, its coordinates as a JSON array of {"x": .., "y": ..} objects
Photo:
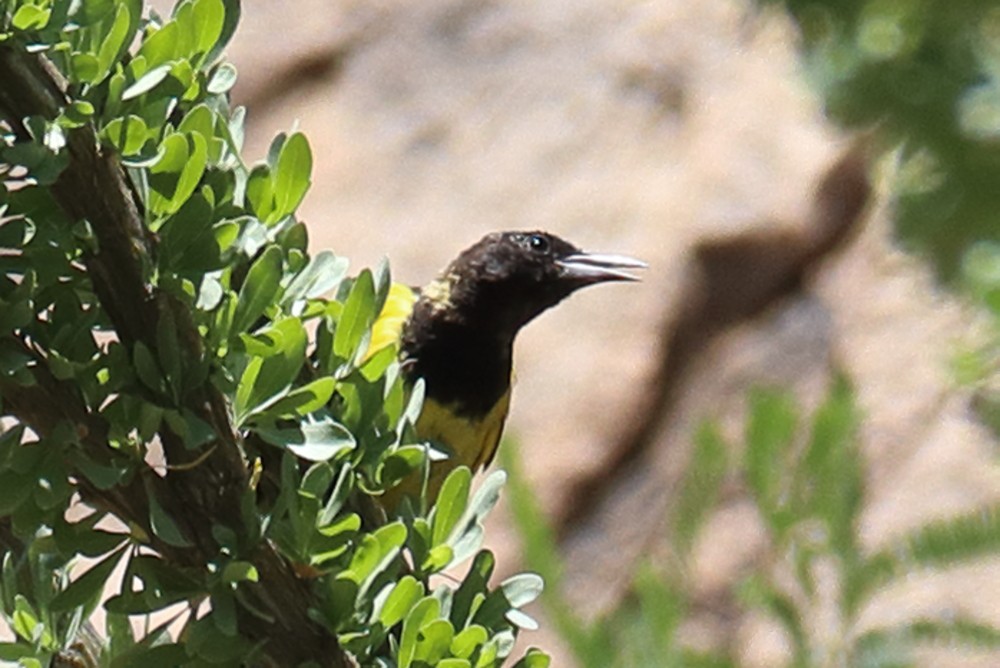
[{"x": 538, "y": 243}]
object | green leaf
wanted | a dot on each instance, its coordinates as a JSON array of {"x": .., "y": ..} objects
[
  {"x": 323, "y": 274},
  {"x": 189, "y": 242},
  {"x": 341, "y": 599},
  {"x": 400, "y": 463},
  {"x": 474, "y": 585},
  {"x": 12, "y": 651},
  {"x": 164, "y": 175},
  {"x": 8, "y": 580},
  {"x": 147, "y": 82},
  {"x": 660, "y": 610},
  {"x": 958, "y": 631},
  {"x": 206, "y": 23},
  {"x": 114, "y": 42},
  {"x": 102, "y": 477},
  {"x": 239, "y": 571},
  {"x": 260, "y": 288},
  {"x": 304, "y": 400},
  {"x": 15, "y": 489},
  {"x": 438, "y": 558},
  {"x": 85, "y": 67},
  {"x": 487, "y": 496},
  {"x": 173, "y": 177},
  {"x": 939, "y": 544},
  {"x": 893, "y": 646},
  {"x": 127, "y": 134},
  {"x": 194, "y": 169},
  {"x": 229, "y": 24},
  {"x": 534, "y": 658},
  {"x": 453, "y": 663},
  {"x": 451, "y": 504},
  {"x": 81, "y": 537},
  {"x": 193, "y": 430},
  {"x": 357, "y": 316},
  {"x": 434, "y": 641},
  {"x": 224, "y": 611},
  {"x": 164, "y": 45},
  {"x": 260, "y": 192},
  {"x": 522, "y": 588},
  {"x": 757, "y": 591},
  {"x": 365, "y": 559},
  {"x": 222, "y": 79},
  {"x": 400, "y": 601},
  {"x": 317, "y": 441},
  {"x": 87, "y": 589},
  {"x": 496, "y": 648},
  {"x": 292, "y": 175},
  {"x": 162, "y": 584},
  {"x": 829, "y": 481},
  {"x": 390, "y": 539},
  {"x": 89, "y": 12},
  {"x": 414, "y": 405},
  {"x": 424, "y": 612},
  {"x": 26, "y": 624},
  {"x": 342, "y": 488},
  {"x": 182, "y": 82},
  {"x": 163, "y": 525},
  {"x": 77, "y": 114},
  {"x": 770, "y": 430},
  {"x": 17, "y": 232},
  {"x": 166, "y": 655},
  {"x": 147, "y": 369},
  {"x": 30, "y": 17},
  {"x": 15, "y": 363},
  {"x": 467, "y": 641},
  {"x": 317, "y": 479},
  {"x": 207, "y": 641},
  {"x": 199, "y": 120},
  {"x": 700, "y": 486},
  {"x": 348, "y": 524},
  {"x": 470, "y": 538}
]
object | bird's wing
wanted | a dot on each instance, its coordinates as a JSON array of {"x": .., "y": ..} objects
[
  {"x": 493, "y": 430},
  {"x": 388, "y": 327}
]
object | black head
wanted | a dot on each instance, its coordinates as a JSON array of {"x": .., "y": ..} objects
[{"x": 508, "y": 278}]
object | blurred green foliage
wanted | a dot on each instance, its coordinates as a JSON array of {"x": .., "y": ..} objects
[
  {"x": 925, "y": 74},
  {"x": 807, "y": 484},
  {"x": 319, "y": 429}
]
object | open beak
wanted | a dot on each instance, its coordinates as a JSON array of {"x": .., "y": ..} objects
[{"x": 588, "y": 268}]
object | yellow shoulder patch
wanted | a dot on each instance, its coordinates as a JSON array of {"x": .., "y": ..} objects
[
  {"x": 438, "y": 292},
  {"x": 388, "y": 326}
]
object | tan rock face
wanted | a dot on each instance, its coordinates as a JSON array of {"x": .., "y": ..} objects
[
  {"x": 649, "y": 128},
  {"x": 628, "y": 127}
]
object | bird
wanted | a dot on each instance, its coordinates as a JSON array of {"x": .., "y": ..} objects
[{"x": 457, "y": 334}]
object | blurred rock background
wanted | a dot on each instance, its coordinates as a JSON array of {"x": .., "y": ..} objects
[{"x": 648, "y": 128}]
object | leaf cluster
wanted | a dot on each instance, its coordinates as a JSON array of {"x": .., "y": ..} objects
[
  {"x": 926, "y": 76},
  {"x": 177, "y": 363},
  {"x": 807, "y": 484}
]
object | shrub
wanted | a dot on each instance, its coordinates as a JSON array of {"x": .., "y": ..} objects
[{"x": 174, "y": 369}]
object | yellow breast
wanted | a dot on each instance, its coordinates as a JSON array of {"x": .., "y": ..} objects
[
  {"x": 470, "y": 442},
  {"x": 473, "y": 441}
]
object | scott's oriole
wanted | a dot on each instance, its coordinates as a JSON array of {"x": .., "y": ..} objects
[{"x": 458, "y": 332}]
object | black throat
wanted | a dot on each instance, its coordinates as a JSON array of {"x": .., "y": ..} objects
[{"x": 464, "y": 364}]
